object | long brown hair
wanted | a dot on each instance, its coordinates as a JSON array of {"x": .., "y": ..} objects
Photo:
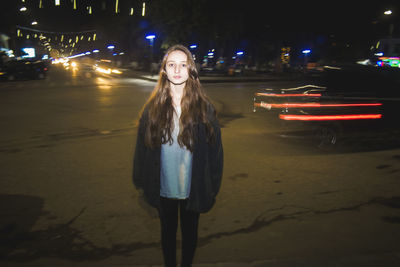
[{"x": 194, "y": 106}]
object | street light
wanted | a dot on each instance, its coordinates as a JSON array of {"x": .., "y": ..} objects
[
  {"x": 391, "y": 26},
  {"x": 306, "y": 52},
  {"x": 151, "y": 38},
  {"x": 388, "y": 12}
]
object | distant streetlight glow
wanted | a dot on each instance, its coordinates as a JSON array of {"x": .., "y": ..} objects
[
  {"x": 388, "y": 12},
  {"x": 96, "y": 51},
  {"x": 34, "y": 22},
  {"x": 111, "y": 47},
  {"x": 193, "y": 46},
  {"x": 22, "y": 9},
  {"x": 239, "y": 53},
  {"x": 306, "y": 51}
]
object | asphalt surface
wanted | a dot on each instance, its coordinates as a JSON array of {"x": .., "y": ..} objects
[{"x": 66, "y": 198}]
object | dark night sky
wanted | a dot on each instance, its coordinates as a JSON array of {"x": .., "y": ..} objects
[{"x": 279, "y": 17}]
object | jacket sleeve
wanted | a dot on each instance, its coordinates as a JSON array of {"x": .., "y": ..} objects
[
  {"x": 216, "y": 157},
  {"x": 139, "y": 155}
]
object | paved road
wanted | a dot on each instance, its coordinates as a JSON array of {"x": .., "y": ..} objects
[{"x": 66, "y": 197}]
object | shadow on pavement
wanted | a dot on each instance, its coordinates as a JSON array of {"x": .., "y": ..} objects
[{"x": 19, "y": 243}]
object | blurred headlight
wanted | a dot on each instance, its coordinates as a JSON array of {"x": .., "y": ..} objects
[
  {"x": 106, "y": 71},
  {"x": 116, "y": 71}
]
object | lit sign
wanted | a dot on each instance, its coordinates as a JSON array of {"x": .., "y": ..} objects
[
  {"x": 389, "y": 61},
  {"x": 30, "y": 52}
]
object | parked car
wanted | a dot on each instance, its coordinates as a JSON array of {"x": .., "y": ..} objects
[
  {"x": 335, "y": 103},
  {"x": 23, "y": 69}
]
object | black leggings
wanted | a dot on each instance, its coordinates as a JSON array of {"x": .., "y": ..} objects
[{"x": 169, "y": 224}]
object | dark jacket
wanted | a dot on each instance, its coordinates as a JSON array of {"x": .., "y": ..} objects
[{"x": 207, "y": 166}]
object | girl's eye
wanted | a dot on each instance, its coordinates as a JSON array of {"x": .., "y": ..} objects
[
  {"x": 184, "y": 65},
  {"x": 171, "y": 65}
]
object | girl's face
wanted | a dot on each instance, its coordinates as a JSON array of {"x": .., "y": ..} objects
[{"x": 177, "y": 68}]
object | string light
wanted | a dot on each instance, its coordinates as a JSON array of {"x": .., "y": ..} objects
[{"x": 117, "y": 9}]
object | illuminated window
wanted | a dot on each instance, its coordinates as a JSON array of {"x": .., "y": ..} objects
[
  {"x": 57, "y": 2},
  {"x": 40, "y": 3},
  {"x": 144, "y": 9},
  {"x": 89, "y": 8},
  {"x": 131, "y": 13},
  {"x": 75, "y": 4},
  {"x": 116, "y": 6},
  {"x": 94, "y": 37}
]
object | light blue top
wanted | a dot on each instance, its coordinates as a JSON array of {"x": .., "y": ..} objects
[{"x": 176, "y": 166}]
